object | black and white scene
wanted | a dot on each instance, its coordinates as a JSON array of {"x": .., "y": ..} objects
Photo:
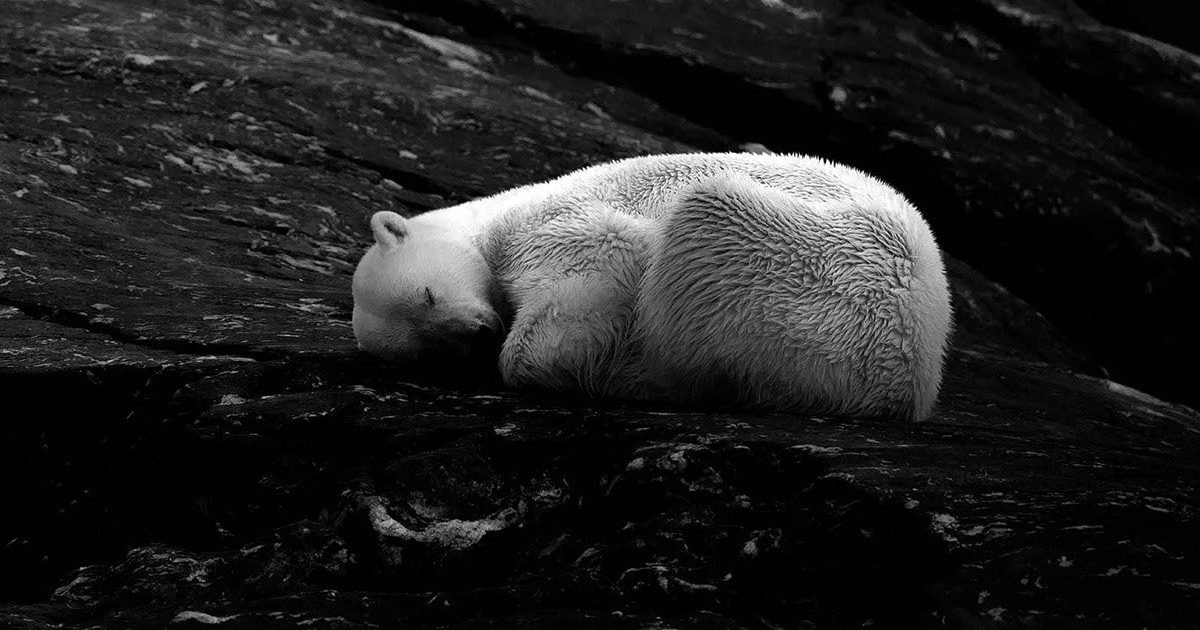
[{"x": 599, "y": 314}]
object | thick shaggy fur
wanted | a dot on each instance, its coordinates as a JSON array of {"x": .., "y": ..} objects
[{"x": 777, "y": 282}]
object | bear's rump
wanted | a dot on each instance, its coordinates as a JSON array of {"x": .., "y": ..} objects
[{"x": 786, "y": 304}]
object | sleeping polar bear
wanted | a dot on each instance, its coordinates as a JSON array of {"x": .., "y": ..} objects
[{"x": 769, "y": 281}]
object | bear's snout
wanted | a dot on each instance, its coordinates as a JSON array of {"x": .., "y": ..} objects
[
  {"x": 477, "y": 335},
  {"x": 463, "y": 345},
  {"x": 486, "y": 338},
  {"x": 482, "y": 334}
]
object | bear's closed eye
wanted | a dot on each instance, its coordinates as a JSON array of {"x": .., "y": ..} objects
[{"x": 429, "y": 297}]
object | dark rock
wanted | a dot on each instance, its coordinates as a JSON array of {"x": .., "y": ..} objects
[{"x": 190, "y": 439}]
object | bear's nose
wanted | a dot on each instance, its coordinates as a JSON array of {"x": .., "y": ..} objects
[{"x": 484, "y": 337}]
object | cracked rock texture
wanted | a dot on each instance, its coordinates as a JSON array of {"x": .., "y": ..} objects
[{"x": 190, "y": 440}]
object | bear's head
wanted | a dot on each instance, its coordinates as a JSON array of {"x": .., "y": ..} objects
[{"x": 423, "y": 294}]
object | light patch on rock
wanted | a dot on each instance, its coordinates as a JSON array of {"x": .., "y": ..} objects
[
  {"x": 311, "y": 264},
  {"x": 314, "y": 306},
  {"x": 548, "y": 495},
  {"x": 597, "y": 111},
  {"x": 300, "y": 108},
  {"x": 379, "y": 397},
  {"x": 995, "y": 132},
  {"x": 1156, "y": 244},
  {"x": 994, "y": 532},
  {"x": 325, "y": 622},
  {"x": 278, "y": 216},
  {"x": 446, "y": 48},
  {"x": 466, "y": 68},
  {"x": 140, "y": 183},
  {"x": 226, "y": 321},
  {"x": 455, "y": 534},
  {"x": 444, "y": 91},
  {"x": 538, "y": 94},
  {"x": 178, "y": 161},
  {"x": 1130, "y": 392},
  {"x": 389, "y": 184},
  {"x": 840, "y": 476},
  {"x": 67, "y": 591},
  {"x": 838, "y": 95},
  {"x": 813, "y": 449},
  {"x": 796, "y": 12},
  {"x": 227, "y": 162},
  {"x": 200, "y": 617},
  {"x": 1026, "y": 18},
  {"x": 944, "y": 525},
  {"x": 138, "y": 59}
]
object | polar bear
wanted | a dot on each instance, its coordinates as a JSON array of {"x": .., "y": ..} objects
[{"x": 769, "y": 281}]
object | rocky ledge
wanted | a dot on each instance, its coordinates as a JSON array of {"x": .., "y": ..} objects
[{"x": 190, "y": 440}]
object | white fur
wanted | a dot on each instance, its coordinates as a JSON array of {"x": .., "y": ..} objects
[{"x": 772, "y": 281}]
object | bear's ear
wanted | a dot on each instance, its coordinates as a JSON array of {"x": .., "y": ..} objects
[{"x": 389, "y": 228}]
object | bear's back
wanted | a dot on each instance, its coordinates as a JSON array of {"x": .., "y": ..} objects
[{"x": 648, "y": 186}]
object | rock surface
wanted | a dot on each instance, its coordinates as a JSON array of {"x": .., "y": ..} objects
[{"x": 190, "y": 440}]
